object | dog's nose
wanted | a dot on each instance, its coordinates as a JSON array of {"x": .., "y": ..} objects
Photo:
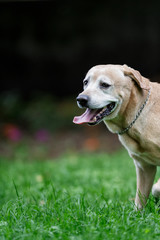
[{"x": 82, "y": 100}]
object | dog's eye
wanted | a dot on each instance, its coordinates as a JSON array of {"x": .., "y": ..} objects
[
  {"x": 104, "y": 85},
  {"x": 85, "y": 82}
]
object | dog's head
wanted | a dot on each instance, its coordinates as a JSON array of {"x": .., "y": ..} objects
[{"x": 106, "y": 88}]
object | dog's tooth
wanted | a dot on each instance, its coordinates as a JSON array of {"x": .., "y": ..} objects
[{"x": 102, "y": 111}]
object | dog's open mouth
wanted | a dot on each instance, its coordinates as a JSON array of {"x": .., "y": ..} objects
[{"x": 95, "y": 116}]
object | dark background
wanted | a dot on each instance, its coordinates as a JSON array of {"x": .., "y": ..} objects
[{"x": 50, "y": 45}]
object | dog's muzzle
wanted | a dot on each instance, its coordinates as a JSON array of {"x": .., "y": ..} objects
[{"x": 82, "y": 101}]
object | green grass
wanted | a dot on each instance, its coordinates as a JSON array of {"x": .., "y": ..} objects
[{"x": 76, "y": 197}]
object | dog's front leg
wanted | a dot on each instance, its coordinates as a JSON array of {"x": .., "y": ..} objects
[{"x": 145, "y": 178}]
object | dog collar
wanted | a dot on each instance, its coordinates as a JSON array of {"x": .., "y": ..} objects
[{"x": 137, "y": 115}]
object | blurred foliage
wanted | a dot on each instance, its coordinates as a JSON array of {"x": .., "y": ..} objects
[{"x": 41, "y": 111}]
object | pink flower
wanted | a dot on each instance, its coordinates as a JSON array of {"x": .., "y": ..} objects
[
  {"x": 12, "y": 132},
  {"x": 42, "y": 135}
]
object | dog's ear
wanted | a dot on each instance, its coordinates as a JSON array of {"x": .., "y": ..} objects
[{"x": 137, "y": 77}]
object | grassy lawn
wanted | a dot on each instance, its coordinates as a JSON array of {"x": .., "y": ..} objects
[{"x": 86, "y": 196}]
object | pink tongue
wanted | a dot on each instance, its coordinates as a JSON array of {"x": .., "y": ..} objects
[{"x": 85, "y": 117}]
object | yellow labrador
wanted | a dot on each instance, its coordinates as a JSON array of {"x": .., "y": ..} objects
[{"x": 129, "y": 105}]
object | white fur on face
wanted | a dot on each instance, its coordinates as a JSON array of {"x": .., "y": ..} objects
[{"x": 99, "y": 97}]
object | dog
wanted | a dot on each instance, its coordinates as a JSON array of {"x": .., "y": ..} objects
[{"x": 129, "y": 105}]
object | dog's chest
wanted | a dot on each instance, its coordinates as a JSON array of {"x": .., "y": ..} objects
[{"x": 142, "y": 150}]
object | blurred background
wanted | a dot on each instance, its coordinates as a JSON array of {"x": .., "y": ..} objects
[{"x": 46, "y": 48}]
